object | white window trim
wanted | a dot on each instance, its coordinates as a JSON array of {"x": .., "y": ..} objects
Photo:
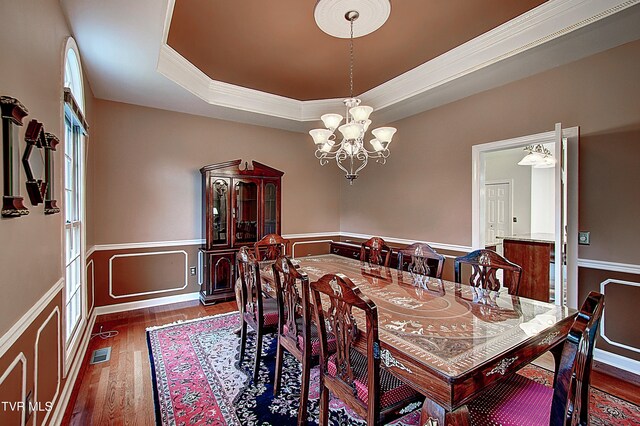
[{"x": 71, "y": 345}]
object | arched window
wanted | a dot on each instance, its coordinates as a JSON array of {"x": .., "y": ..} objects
[{"x": 73, "y": 248}]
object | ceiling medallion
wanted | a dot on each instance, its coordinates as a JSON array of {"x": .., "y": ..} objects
[{"x": 350, "y": 154}]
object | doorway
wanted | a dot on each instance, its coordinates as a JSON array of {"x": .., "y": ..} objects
[{"x": 565, "y": 202}]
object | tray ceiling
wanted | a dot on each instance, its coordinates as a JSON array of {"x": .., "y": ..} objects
[{"x": 276, "y": 46}]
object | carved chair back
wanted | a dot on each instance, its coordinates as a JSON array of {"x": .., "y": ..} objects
[
  {"x": 292, "y": 293},
  {"x": 335, "y": 315},
  {"x": 484, "y": 266},
  {"x": 270, "y": 247},
  {"x": 421, "y": 259},
  {"x": 371, "y": 251},
  {"x": 570, "y": 404},
  {"x": 251, "y": 285}
]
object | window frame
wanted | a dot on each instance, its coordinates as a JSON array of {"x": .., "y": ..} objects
[{"x": 75, "y": 126}]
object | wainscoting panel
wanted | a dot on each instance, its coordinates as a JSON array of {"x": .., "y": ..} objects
[
  {"x": 163, "y": 270},
  {"x": 618, "y": 331},
  {"x": 47, "y": 365},
  {"x": 13, "y": 389},
  {"x": 137, "y": 273}
]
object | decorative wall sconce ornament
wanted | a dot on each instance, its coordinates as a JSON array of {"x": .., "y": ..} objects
[
  {"x": 33, "y": 162},
  {"x": 51, "y": 141},
  {"x": 12, "y": 112}
]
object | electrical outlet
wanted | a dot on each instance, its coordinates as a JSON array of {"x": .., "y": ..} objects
[
  {"x": 192, "y": 271},
  {"x": 584, "y": 238},
  {"x": 515, "y": 219}
]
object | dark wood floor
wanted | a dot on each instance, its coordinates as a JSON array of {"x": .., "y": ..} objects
[{"x": 119, "y": 392}]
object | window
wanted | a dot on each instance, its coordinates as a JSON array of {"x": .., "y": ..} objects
[{"x": 74, "y": 138}]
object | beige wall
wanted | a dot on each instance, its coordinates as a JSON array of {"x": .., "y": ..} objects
[
  {"x": 33, "y": 34},
  {"x": 147, "y": 182},
  {"x": 424, "y": 190}
]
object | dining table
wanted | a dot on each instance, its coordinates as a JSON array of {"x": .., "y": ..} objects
[{"x": 449, "y": 341}]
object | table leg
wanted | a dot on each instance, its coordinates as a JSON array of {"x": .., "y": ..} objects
[
  {"x": 433, "y": 414},
  {"x": 556, "y": 351}
]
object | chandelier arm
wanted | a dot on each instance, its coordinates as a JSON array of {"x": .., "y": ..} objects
[{"x": 362, "y": 166}]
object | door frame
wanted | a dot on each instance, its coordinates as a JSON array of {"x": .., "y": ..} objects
[
  {"x": 572, "y": 136},
  {"x": 510, "y": 182}
]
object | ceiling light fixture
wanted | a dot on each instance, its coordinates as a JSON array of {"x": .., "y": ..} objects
[
  {"x": 350, "y": 154},
  {"x": 538, "y": 156}
]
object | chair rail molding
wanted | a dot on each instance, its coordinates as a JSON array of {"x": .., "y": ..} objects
[
  {"x": 628, "y": 268},
  {"x": 14, "y": 333}
]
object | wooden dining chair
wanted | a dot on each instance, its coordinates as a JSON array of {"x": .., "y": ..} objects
[
  {"x": 259, "y": 312},
  {"x": 421, "y": 259},
  {"x": 484, "y": 266},
  {"x": 522, "y": 401},
  {"x": 297, "y": 332},
  {"x": 357, "y": 379},
  {"x": 371, "y": 251},
  {"x": 270, "y": 247}
]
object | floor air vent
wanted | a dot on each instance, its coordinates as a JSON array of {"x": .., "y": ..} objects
[{"x": 100, "y": 355}]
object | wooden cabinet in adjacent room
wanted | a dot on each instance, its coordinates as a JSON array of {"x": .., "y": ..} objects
[{"x": 240, "y": 206}]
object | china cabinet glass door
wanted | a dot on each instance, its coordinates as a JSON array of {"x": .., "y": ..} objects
[
  {"x": 270, "y": 208},
  {"x": 220, "y": 198},
  {"x": 246, "y": 211}
]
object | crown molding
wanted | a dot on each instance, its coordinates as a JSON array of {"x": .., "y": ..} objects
[{"x": 540, "y": 25}]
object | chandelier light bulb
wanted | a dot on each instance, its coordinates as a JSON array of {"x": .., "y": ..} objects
[
  {"x": 360, "y": 113},
  {"x": 351, "y": 131},
  {"x": 320, "y": 136},
  {"x": 377, "y": 146},
  {"x": 331, "y": 121},
  {"x": 327, "y": 146},
  {"x": 384, "y": 134}
]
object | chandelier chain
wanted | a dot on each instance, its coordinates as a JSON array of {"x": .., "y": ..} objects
[{"x": 351, "y": 57}]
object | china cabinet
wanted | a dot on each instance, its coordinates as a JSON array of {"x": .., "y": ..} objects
[{"x": 240, "y": 206}]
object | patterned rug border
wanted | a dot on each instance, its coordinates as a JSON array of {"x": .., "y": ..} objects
[
  {"x": 181, "y": 322},
  {"x": 148, "y": 330}
]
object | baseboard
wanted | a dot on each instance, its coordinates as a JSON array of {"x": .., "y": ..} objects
[
  {"x": 618, "y": 361},
  {"x": 63, "y": 401},
  {"x": 158, "y": 301},
  {"x": 14, "y": 333}
]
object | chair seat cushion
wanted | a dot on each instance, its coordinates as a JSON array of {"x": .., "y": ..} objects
[
  {"x": 269, "y": 312},
  {"x": 315, "y": 339},
  {"x": 514, "y": 402},
  {"x": 392, "y": 390}
]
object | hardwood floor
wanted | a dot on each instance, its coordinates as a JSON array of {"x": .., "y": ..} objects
[{"x": 119, "y": 392}]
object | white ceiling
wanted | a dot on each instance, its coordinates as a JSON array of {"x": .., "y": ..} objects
[{"x": 126, "y": 59}]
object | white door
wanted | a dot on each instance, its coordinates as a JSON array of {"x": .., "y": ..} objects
[{"x": 498, "y": 214}]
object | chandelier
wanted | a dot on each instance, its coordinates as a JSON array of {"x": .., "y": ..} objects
[
  {"x": 538, "y": 156},
  {"x": 348, "y": 148}
]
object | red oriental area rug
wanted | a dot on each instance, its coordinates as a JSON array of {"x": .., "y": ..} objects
[{"x": 199, "y": 381}]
